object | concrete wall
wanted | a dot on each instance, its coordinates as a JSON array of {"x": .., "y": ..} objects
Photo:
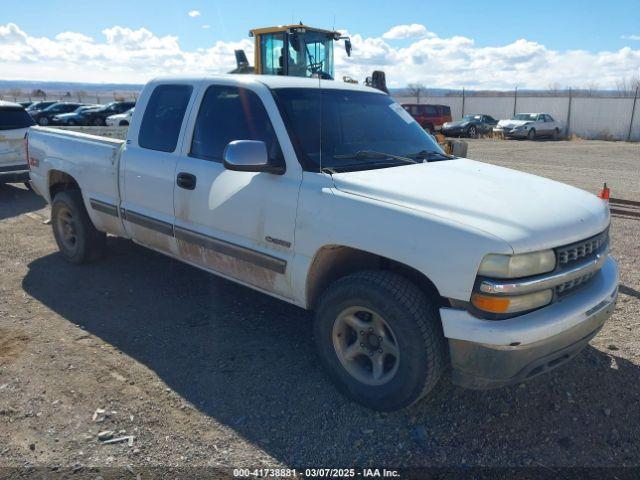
[{"x": 591, "y": 117}]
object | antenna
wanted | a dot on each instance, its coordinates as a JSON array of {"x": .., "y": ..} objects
[{"x": 334, "y": 23}]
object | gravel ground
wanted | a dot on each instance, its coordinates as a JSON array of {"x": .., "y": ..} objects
[
  {"x": 582, "y": 163},
  {"x": 204, "y": 372}
]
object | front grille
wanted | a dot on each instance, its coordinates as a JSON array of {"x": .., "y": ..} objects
[
  {"x": 568, "y": 287},
  {"x": 581, "y": 250}
]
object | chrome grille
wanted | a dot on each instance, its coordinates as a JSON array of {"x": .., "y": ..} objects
[
  {"x": 567, "y": 287},
  {"x": 579, "y": 250}
]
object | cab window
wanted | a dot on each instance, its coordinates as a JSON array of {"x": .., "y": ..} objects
[
  {"x": 163, "y": 117},
  {"x": 231, "y": 113}
]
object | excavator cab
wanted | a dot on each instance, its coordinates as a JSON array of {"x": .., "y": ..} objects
[{"x": 296, "y": 50}]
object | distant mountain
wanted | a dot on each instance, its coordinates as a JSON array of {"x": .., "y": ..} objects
[{"x": 68, "y": 86}]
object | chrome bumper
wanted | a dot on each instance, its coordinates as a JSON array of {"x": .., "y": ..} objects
[{"x": 545, "y": 281}]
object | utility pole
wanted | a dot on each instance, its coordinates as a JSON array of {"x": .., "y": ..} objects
[
  {"x": 633, "y": 112},
  {"x": 462, "y": 103},
  {"x": 515, "y": 101},
  {"x": 568, "y": 122}
]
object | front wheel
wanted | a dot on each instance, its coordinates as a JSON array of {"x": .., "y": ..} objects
[
  {"x": 78, "y": 240},
  {"x": 380, "y": 339},
  {"x": 43, "y": 121},
  {"x": 472, "y": 131}
]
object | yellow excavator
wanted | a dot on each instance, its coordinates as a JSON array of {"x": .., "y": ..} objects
[{"x": 300, "y": 51}]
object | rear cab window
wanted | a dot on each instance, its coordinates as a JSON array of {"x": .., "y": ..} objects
[
  {"x": 163, "y": 116},
  {"x": 13, "y": 118}
]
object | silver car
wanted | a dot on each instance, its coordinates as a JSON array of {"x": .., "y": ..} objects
[{"x": 529, "y": 125}]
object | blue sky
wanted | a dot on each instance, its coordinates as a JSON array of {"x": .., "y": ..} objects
[
  {"x": 526, "y": 38},
  {"x": 557, "y": 24}
]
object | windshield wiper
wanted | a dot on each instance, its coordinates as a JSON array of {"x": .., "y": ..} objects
[
  {"x": 430, "y": 154},
  {"x": 363, "y": 154}
]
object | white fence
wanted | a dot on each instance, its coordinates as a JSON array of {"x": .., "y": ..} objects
[{"x": 586, "y": 117}]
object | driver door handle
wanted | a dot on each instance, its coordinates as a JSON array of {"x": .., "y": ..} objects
[{"x": 186, "y": 181}]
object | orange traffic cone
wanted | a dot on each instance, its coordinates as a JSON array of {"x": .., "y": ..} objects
[{"x": 605, "y": 193}]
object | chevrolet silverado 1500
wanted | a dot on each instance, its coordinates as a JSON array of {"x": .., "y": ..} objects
[{"x": 331, "y": 197}]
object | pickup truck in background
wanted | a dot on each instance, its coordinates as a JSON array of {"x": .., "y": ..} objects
[{"x": 330, "y": 196}]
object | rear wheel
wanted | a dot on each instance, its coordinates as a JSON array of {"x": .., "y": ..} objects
[
  {"x": 98, "y": 122},
  {"x": 531, "y": 135},
  {"x": 380, "y": 339},
  {"x": 77, "y": 238},
  {"x": 554, "y": 134}
]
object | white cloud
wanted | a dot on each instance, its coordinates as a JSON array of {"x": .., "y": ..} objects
[
  {"x": 123, "y": 54},
  {"x": 415, "y": 30},
  {"x": 194, "y": 13},
  {"x": 206, "y": 27},
  {"x": 631, "y": 37}
]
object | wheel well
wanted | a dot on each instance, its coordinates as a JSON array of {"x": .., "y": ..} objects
[
  {"x": 60, "y": 181},
  {"x": 335, "y": 261}
]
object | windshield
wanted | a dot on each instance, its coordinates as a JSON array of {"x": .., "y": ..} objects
[
  {"x": 526, "y": 116},
  {"x": 357, "y": 128},
  {"x": 310, "y": 53},
  {"x": 468, "y": 118}
]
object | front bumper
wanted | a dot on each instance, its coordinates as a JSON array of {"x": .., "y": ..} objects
[
  {"x": 511, "y": 133},
  {"x": 449, "y": 132},
  {"x": 491, "y": 353}
]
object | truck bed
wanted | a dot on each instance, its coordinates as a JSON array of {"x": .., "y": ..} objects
[{"x": 91, "y": 159}]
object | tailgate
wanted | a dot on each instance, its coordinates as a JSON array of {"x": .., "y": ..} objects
[{"x": 12, "y": 148}]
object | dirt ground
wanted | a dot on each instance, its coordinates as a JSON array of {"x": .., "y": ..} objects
[{"x": 201, "y": 371}]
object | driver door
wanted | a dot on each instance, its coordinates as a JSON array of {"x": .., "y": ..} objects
[{"x": 237, "y": 224}]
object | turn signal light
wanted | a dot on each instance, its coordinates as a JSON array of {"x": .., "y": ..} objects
[{"x": 490, "y": 304}]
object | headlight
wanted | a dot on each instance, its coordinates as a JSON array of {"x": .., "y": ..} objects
[
  {"x": 514, "y": 304},
  {"x": 516, "y": 266}
]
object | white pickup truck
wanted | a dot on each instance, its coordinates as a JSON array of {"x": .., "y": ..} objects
[{"x": 330, "y": 196}]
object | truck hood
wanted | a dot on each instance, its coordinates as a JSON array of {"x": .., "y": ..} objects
[{"x": 528, "y": 212}]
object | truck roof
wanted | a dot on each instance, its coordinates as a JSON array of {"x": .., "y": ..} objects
[{"x": 271, "y": 81}]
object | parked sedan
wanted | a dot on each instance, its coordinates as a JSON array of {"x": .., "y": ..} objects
[
  {"x": 44, "y": 117},
  {"x": 36, "y": 107},
  {"x": 73, "y": 118},
  {"x": 99, "y": 117},
  {"x": 529, "y": 125},
  {"x": 469, "y": 126},
  {"x": 121, "y": 119}
]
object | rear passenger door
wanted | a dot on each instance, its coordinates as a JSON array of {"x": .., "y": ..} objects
[
  {"x": 237, "y": 224},
  {"x": 147, "y": 173}
]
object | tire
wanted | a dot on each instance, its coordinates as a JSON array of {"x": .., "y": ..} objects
[
  {"x": 44, "y": 121},
  {"x": 68, "y": 212},
  {"x": 413, "y": 327},
  {"x": 531, "y": 134},
  {"x": 124, "y": 123},
  {"x": 28, "y": 185},
  {"x": 472, "y": 131},
  {"x": 72, "y": 123},
  {"x": 555, "y": 134}
]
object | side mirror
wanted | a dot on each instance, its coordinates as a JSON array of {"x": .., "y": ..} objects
[
  {"x": 347, "y": 46},
  {"x": 249, "y": 156}
]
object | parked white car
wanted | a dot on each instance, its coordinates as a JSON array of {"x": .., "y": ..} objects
[
  {"x": 529, "y": 125},
  {"x": 14, "y": 123},
  {"x": 342, "y": 204},
  {"x": 121, "y": 119}
]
